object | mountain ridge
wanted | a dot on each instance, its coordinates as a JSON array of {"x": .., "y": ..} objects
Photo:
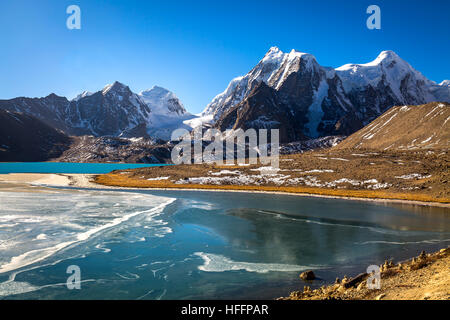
[
  {"x": 324, "y": 101},
  {"x": 307, "y": 100},
  {"x": 114, "y": 110}
]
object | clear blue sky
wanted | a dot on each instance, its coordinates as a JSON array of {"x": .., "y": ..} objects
[{"x": 195, "y": 48}]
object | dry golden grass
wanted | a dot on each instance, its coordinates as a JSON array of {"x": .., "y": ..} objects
[
  {"x": 325, "y": 166},
  {"x": 414, "y": 127},
  {"x": 121, "y": 180}
]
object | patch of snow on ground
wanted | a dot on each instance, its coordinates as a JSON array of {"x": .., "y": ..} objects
[
  {"x": 404, "y": 108},
  {"x": 158, "y": 178},
  {"x": 427, "y": 140},
  {"x": 266, "y": 170},
  {"x": 345, "y": 180},
  {"x": 413, "y": 176},
  {"x": 319, "y": 171},
  {"x": 281, "y": 179},
  {"x": 277, "y": 179},
  {"x": 224, "y": 172},
  {"x": 379, "y": 186},
  {"x": 438, "y": 106}
]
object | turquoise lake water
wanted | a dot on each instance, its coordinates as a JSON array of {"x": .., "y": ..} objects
[
  {"x": 198, "y": 245},
  {"x": 67, "y": 168}
]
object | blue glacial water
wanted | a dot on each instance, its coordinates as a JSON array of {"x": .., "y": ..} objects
[
  {"x": 198, "y": 245},
  {"x": 67, "y": 167}
]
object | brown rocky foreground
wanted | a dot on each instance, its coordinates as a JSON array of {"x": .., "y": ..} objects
[{"x": 426, "y": 277}]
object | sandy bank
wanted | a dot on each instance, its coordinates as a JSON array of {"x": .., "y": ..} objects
[{"x": 32, "y": 181}]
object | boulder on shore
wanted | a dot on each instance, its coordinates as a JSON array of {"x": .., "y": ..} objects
[{"x": 308, "y": 275}]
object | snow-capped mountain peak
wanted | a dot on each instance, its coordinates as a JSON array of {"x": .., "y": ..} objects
[
  {"x": 386, "y": 56},
  {"x": 115, "y": 87},
  {"x": 445, "y": 83},
  {"x": 167, "y": 112},
  {"x": 388, "y": 70},
  {"x": 276, "y": 55},
  {"x": 273, "y": 54},
  {"x": 82, "y": 95},
  {"x": 389, "y": 60},
  {"x": 275, "y": 67},
  {"x": 274, "y": 50},
  {"x": 163, "y": 102},
  {"x": 297, "y": 54}
]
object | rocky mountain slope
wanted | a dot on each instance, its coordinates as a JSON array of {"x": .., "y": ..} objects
[
  {"x": 26, "y": 138},
  {"x": 113, "y": 149},
  {"x": 113, "y": 111},
  {"x": 50, "y": 109},
  {"x": 319, "y": 101},
  {"x": 262, "y": 109},
  {"x": 406, "y": 128}
]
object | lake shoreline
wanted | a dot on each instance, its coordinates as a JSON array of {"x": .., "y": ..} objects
[
  {"x": 114, "y": 180},
  {"x": 424, "y": 277},
  {"x": 89, "y": 181}
]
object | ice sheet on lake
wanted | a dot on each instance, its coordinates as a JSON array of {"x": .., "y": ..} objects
[
  {"x": 219, "y": 263},
  {"x": 34, "y": 226}
]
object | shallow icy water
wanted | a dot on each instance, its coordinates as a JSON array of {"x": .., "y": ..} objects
[{"x": 197, "y": 245}]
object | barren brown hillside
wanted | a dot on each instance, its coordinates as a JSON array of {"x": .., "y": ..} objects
[
  {"x": 26, "y": 138},
  {"x": 405, "y": 128}
]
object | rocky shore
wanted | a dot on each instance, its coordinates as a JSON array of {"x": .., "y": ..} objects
[{"x": 425, "y": 277}]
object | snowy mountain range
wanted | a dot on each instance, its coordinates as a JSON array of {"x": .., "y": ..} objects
[
  {"x": 292, "y": 92},
  {"x": 113, "y": 111},
  {"x": 288, "y": 91}
]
